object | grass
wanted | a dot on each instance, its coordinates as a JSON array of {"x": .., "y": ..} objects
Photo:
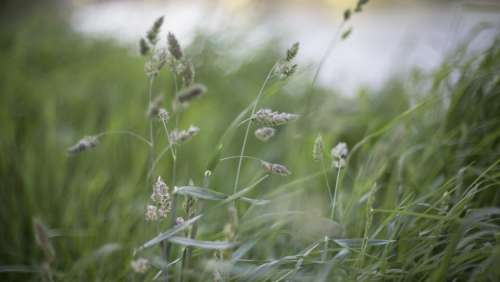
[{"x": 418, "y": 199}]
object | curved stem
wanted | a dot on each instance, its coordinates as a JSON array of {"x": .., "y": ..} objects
[
  {"x": 243, "y": 146},
  {"x": 124, "y": 132}
]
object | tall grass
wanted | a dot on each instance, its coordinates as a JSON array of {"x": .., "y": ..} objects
[{"x": 419, "y": 194}]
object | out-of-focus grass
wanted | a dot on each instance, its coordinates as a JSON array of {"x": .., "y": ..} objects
[{"x": 426, "y": 163}]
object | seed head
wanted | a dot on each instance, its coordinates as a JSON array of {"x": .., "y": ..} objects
[
  {"x": 187, "y": 73},
  {"x": 152, "y": 34},
  {"x": 191, "y": 93},
  {"x": 359, "y": 5},
  {"x": 179, "y": 220},
  {"x": 151, "y": 213},
  {"x": 264, "y": 133},
  {"x": 277, "y": 169},
  {"x": 139, "y": 265},
  {"x": 153, "y": 66},
  {"x": 318, "y": 148},
  {"x": 154, "y": 106},
  {"x": 292, "y": 52},
  {"x": 42, "y": 240},
  {"x": 144, "y": 47},
  {"x": 182, "y": 136},
  {"x": 347, "y": 14},
  {"x": 339, "y": 154},
  {"x": 160, "y": 195},
  {"x": 173, "y": 46},
  {"x": 86, "y": 143},
  {"x": 163, "y": 115},
  {"x": 268, "y": 117}
]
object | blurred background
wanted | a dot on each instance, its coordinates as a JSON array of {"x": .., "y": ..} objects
[{"x": 72, "y": 68}]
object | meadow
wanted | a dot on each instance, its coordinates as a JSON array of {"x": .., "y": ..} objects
[{"x": 417, "y": 194}]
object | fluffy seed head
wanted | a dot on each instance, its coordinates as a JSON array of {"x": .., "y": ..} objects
[
  {"x": 182, "y": 136},
  {"x": 264, "y": 133},
  {"x": 86, "y": 143},
  {"x": 153, "y": 66},
  {"x": 277, "y": 169},
  {"x": 347, "y": 14},
  {"x": 318, "y": 148},
  {"x": 173, "y": 46},
  {"x": 160, "y": 195},
  {"x": 139, "y": 265},
  {"x": 191, "y": 93},
  {"x": 268, "y": 117},
  {"x": 339, "y": 154}
]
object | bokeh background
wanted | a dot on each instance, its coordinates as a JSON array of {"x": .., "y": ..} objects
[{"x": 72, "y": 68}]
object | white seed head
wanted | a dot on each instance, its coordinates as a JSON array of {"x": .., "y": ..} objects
[
  {"x": 264, "y": 133},
  {"x": 277, "y": 169},
  {"x": 339, "y": 155},
  {"x": 86, "y": 143},
  {"x": 268, "y": 117},
  {"x": 139, "y": 265},
  {"x": 318, "y": 148},
  {"x": 340, "y": 151}
]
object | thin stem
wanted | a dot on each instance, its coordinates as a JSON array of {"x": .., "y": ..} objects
[
  {"x": 325, "y": 56},
  {"x": 124, "y": 132},
  {"x": 238, "y": 157},
  {"x": 325, "y": 174},
  {"x": 332, "y": 205},
  {"x": 243, "y": 146},
  {"x": 158, "y": 159},
  {"x": 335, "y": 194}
]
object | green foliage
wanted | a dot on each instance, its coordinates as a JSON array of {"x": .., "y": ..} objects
[{"x": 418, "y": 199}]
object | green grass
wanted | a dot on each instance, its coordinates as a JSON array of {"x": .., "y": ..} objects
[{"x": 418, "y": 200}]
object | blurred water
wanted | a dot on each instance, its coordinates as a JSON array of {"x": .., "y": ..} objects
[{"x": 387, "y": 39}]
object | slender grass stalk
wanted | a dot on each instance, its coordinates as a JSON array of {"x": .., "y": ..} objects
[
  {"x": 173, "y": 215},
  {"x": 332, "y": 205},
  {"x": 332, "y": 216},
  {"x": 245, "y": 138}
]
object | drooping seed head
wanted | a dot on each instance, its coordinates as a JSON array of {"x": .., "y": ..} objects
[
  {"x": 140, "y": 265},
  {"x": 173, "y": 46},
  {"x": 86, "y": 143},
  {"x": 268, "y": 117},
  {"x": 154, "y": 106},
  {"x": 318, "y": 148},
  {"x": 277, "y": 169},
  {"x": 264, "y": 133},
  {"x": 191, "y": 93},
  {"x": 347, "y": 14},
  {"x": 182, "y": 136}
]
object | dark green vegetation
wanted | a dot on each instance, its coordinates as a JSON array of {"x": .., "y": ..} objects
[{"x": 419, "y": 198}]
